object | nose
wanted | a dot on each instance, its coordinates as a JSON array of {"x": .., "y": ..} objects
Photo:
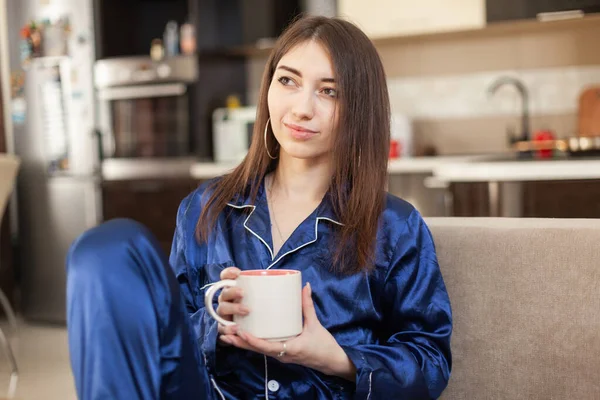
[{"x": 303, "y": 107}]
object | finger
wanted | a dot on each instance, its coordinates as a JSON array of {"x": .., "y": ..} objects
[
  {"x": 230, "y": 273},
  {"x": 227, "y": 309},
  {"x": 224, "y": 342},
  {"x": 260, "y": 345},
  {"x": 228, "y": 329},
  {"x": 231, "y": 294},
  {"x": 236, "y": 341},
  {"x": 308, "y": 307}
]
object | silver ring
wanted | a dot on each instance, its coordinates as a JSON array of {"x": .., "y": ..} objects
[{"x": 282, "y": 352}]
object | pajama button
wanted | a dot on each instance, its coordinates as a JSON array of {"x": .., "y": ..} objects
[{"x": 273, "y": 385}]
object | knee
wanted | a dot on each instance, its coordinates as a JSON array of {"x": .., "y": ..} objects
[{"x": 105, "y": 245}]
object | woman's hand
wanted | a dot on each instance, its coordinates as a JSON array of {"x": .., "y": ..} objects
[
  {"x": 314, "y": 348},
  {"x": 229, "y": 302}
]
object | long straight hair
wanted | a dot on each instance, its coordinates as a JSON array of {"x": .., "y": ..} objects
[{"x": 360, "y": 141}]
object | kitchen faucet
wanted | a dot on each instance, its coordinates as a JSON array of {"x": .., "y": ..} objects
[{"x": 507, "y": 80}]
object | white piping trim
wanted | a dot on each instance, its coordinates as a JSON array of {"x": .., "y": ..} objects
[
  {"x": 208, "y": 285},
  {"x": 291, "y": 251},
  {"x": 266, "y": 379},
  {"x": 369, "y": 395},
  {"x": 307, "y": 243},
  {"x": 217, "y": 389},
  {"x": 331, "y": 220},
  {"x": 246, "y": 226}
]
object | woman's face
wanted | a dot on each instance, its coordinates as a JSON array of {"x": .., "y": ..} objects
[{"x": 302, "y": 102}]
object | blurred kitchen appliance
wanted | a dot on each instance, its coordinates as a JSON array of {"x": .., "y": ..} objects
[
  {"x": 58, "y": 191},
  {"x": 232, "y": 133},
  {"x": 144, "y": 106}
]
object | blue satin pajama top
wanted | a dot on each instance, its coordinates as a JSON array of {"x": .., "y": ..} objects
[{"x": 394, "y": 323}]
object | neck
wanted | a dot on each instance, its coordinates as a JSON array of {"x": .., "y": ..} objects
[{"x": 302, "y": 180}]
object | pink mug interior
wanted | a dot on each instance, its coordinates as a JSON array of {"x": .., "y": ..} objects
[{"x": 269, "y": 272}]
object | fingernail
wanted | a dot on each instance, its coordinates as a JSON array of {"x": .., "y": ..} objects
[
  {"x": 244, "y": 309},
  {"x": 309, "y": 288},
  {"x": 240, "y": 292}
]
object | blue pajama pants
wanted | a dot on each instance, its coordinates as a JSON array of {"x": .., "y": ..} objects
[{"x": 129, "y": 333}]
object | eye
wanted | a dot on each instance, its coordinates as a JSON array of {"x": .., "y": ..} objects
[
  {"x": 285, "y": 81},
  {"x": 329, "y": 92}
]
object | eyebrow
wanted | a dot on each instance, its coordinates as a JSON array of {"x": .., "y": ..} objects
[{"x": 296, "y": 72}]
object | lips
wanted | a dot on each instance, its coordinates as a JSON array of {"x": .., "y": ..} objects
[{"x": 299, "y": 132}]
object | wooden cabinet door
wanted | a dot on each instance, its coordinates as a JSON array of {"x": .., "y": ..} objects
[
  {"x": 152, "y": 202},
  {"x": 388, "y": 18},
  {"x": 507, "y": 10}
]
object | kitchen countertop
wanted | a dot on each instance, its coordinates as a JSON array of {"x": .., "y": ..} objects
[
  {"x": 146, "y": 168},
  {"x": 426, "y": 165},
  {"x": 409, "y": 165},
  {"x": 518, "y": 171},
  {"x": 209, "y": 170},
  {"x": 444, "y": 169}
]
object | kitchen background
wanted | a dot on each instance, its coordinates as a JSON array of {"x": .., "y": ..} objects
[{"x": 120, "y": 108}]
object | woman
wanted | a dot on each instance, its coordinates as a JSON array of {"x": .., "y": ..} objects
[{"x": 308, "y": 196}]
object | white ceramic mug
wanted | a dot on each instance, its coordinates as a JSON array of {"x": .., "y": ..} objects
[{"x": 274, "y": 298}]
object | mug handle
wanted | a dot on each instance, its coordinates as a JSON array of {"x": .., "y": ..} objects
[{"x": 208, "y": 300}]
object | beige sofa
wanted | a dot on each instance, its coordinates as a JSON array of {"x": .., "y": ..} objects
[{"x": 525, "y": 295}]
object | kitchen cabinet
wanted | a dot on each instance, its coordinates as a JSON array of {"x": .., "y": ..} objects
[
  {"x": 470, "y": 199},
  {"x": 388, "y": 18},
  {"x": 562, "y": 199},
  {"x": 507, "y": 10},
  {"x": 152, "y": 202},
  {"x": 539, "y": 199},
  {"x": 231, "y": 24},
  {"x": 127, "y": 28},
  {"x": 430, "y": 201}
]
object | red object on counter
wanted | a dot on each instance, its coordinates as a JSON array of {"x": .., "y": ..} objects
[
  {"x": 394, "y": 149},
  {"x": 25, "y": 32},
  {"x": 543, "y": 135}
]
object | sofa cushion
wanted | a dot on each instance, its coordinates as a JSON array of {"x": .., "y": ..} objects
[{"x": 525, "y": 295}]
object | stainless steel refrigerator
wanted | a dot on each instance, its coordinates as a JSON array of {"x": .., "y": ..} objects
[{"x": 58, "y": 192}]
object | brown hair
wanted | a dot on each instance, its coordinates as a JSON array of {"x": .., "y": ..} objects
[{"x": 361, "y": 141}]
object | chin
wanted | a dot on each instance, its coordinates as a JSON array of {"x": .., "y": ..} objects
[{"x": 303, "y": 151}]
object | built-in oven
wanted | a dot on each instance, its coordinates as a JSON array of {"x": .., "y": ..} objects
[
  {"x": 144, "y": 107},
  {"x": 146, "y": 138}
]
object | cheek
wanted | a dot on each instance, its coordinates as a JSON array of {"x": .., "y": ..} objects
[
  {"x": 335, "y": 118},
  {"x": 329, "y": 117},
  {"x": 270, "y": 100},
  {"x": 274, "y": 103}
]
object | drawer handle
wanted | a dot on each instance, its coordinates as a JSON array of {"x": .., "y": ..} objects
[{"x": 559, "y": 15}]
